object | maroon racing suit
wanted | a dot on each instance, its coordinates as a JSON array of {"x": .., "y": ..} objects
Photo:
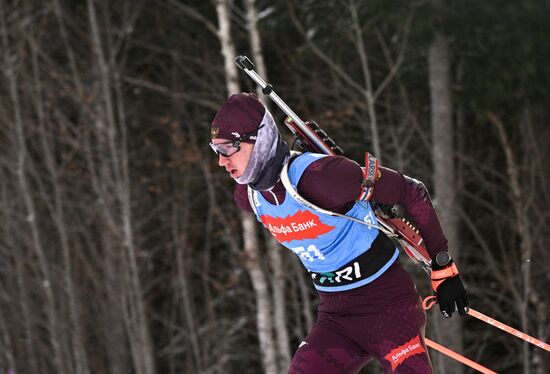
[{"x": 383, "y": 319}]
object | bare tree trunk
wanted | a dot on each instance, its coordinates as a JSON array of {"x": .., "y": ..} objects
[
  {"x": 263, "y": 304},
  {"x": 255, "y": 42},
  {"x": 279, "y": 303},
  {"x": 6, "y": 346},
  {"x": 180, "y": 239},
  {"x": 187, "y": 303},
  {"x": 7, "y": 287},
  {"x": 113, "y": 314},
  {"x": 368, "y": 91},
  {"x": 19, "y": 289},
  {"x": 449, "y": 332},
  {"x": 135, "y": 317},
  {"x": 251, "y": 245},
  {"x": 307, "y": 307},
  {"x": 536, "y": 166},
  {"x": 274, "y": 248},
  {"x": 68, "y": 50},
  {"x": 58, "y": 215},
  {"x": 25, "y": 190},
  {"x": 228, "y": 47},
  {"x": 23, "y": 298},
  {"x": 522, "y": 224}
]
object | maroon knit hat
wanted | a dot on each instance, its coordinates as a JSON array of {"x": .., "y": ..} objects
[{"x": 241, "y": 114}]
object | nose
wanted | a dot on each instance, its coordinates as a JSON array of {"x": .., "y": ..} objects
[{"x": 222, "y": 160}]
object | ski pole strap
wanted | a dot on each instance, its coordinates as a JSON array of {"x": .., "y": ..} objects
[
  {"x": 438, "y": 276},
  {"x": 429, "y": 301},
  {"x": 296, "y": 196},
  {"x": 458, "y": 357}
]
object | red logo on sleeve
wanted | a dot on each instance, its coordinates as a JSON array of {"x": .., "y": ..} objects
[
  {"x": 300, "y": 226},
  {"x": 400, "y": 354}
]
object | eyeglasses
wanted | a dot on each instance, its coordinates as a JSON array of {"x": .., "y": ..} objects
[{"x": 227, "y": 149}]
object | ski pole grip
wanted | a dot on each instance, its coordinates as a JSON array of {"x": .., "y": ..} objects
[{"x": 244, "y": 62}]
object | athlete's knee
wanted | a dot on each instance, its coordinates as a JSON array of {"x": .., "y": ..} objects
[
  {"x": 309, "y": 360},
  {"x": 330, "y": 360}
]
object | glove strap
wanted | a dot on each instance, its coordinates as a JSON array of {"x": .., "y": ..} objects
[{"x": 439, "y": 276}]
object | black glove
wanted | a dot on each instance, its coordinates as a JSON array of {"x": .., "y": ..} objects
[{"x": 449, "y": 289}]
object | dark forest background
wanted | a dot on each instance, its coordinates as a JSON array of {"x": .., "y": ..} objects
[{"x": 121, "y": 250}]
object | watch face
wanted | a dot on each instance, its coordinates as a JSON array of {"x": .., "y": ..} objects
[{"x": 442, "y": 258}]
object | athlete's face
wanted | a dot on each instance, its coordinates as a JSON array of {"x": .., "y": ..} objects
[{"x": 236, "y": 163}]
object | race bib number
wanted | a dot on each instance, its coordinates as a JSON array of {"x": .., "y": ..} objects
[
  {"x": 311, "y": 253},
  {"x": 370, "y": 219}
]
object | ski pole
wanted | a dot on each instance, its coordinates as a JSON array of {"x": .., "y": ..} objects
[
  {"x": 431, "y": 300},
  {"x": 509, "y": 330},
  {"x": 458, "y": 357}
]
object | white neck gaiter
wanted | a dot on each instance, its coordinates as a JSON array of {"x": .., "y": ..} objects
[{"x": 264, "y": 149}]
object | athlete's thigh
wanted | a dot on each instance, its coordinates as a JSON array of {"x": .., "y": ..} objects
[
  {"x": 327, "y": 350},
  {"x": 396, "y": 338}
]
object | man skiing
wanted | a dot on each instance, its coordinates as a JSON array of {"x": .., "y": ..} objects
[{"x": 369, "y": 306}]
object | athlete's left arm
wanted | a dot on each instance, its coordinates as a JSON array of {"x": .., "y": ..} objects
[{"x": 395, "y": 188}]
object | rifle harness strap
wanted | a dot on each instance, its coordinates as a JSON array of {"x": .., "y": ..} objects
[
  {"x": 296, "y": 196},
  {"x": 370, "y": 175}
]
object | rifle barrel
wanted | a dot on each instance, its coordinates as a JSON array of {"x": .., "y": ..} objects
[{"x": 245, "y": 64}]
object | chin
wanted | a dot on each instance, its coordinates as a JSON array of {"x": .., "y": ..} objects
[{"x": 235, "y": 175}]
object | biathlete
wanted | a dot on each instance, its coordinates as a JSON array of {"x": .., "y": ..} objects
[{"x": 369, "y": 306}]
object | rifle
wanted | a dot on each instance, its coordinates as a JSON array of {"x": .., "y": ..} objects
[{"x": 309, "y": 137}]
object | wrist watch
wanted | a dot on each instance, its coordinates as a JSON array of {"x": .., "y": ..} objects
[{"x": 443, "y": 258}]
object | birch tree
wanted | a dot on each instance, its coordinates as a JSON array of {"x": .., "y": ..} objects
[
  {"x": 110, "y": 127},
  {"x": 250, "y": 233},
  {"x": 449, "y": 332},
  {"x": 22, "y": 165},
  {"x": 274, "y": 249}
]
